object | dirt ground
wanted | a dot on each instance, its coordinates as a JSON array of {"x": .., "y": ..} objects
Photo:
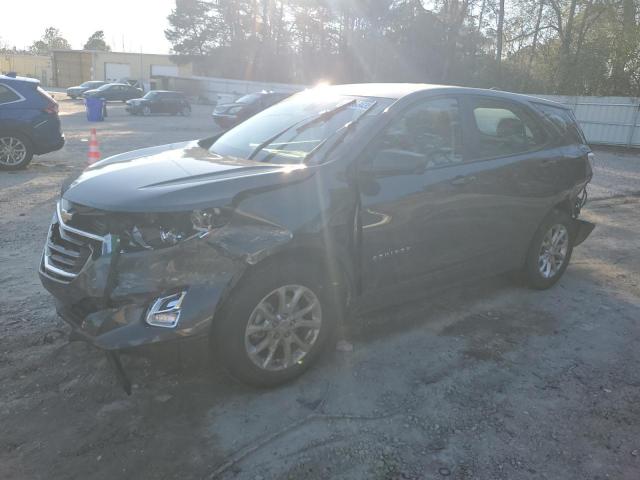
[{"x": 485, "y": 381}]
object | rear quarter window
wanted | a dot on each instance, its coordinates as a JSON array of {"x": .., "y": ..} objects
[
  {"x": 7, "y": 95},
  {"x": 503, "y": 129},
  {"x": 562, "y": 122}
]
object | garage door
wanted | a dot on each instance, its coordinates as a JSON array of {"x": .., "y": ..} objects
[
  {"x": 114, "y": 72},
  {"x": 161, "y": 70}
]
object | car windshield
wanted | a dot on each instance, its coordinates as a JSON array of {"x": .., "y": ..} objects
[
  {"x": 90, "y": 84},
  {"x": 287, "y": 132},
  {"x": 104, "y": 87},
  {"x": 151, "y": 95}
]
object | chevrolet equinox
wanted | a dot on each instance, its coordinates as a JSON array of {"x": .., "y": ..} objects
[{"x": 264, "y": 237}]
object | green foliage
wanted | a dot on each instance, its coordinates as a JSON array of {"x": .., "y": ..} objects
[
  {"x": 96, "y": 42},
  {"x": 548, "y": 46},
  {"x": 51, "y": 40}
]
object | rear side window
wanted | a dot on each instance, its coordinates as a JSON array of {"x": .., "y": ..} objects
[
  {"x": 7, "y": 95},
  {"x": 503, "y": 129},
  {"x": 563, "y": 122}
]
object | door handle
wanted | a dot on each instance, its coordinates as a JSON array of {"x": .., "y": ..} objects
[{"x": 463, "y": 180}]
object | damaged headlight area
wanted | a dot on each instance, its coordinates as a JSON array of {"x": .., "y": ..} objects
[{"x": 152, "y": 231}]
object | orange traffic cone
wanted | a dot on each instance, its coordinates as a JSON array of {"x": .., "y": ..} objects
[{"x": 94, "y": 151}]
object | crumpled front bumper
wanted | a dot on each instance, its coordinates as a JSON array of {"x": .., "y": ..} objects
[{"x": 107, "y": 302}]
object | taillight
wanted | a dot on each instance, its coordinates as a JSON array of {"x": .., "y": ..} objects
[{"x": 52, "y": 108}]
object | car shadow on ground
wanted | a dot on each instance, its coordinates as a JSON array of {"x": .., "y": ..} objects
[{"x": 191, "y": 361}]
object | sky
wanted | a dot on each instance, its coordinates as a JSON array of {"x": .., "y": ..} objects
[{"x": 138, "y": 24}]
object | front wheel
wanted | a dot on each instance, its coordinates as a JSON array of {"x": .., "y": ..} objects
[
  {"x": 275, "y": 325},
  {"x": 550, "y": 251},
  {"x": 146, "y": 111}
]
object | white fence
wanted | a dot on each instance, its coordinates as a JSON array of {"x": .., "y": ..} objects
[{"x": 605, "y": 120}]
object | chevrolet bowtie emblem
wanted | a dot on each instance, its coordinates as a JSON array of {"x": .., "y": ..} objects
[{"x": 65, "y": 215}]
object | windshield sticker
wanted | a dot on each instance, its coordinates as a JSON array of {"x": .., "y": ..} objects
[{"x": 362, "y": 104}]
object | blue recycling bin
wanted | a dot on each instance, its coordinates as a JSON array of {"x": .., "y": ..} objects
[{"x": 95, "y": 109}]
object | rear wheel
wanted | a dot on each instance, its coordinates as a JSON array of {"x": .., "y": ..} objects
[
  {"x": 15, "y": 151},
  {"x": 275, "y": 325},
  {"x": 550, "y": 251}
]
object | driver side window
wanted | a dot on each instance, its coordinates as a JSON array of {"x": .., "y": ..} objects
[{"x": 430, "y": 130}]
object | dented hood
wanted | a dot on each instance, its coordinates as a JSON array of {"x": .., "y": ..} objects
[{"x": 175, "y": 177}]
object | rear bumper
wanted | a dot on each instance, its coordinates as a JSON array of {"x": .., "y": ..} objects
[
  {"x": 55, "y": 145},
  {"x": 47, "y": 135},
  {"x": 225, "y": 121}
]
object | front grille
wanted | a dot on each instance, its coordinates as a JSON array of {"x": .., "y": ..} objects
[{"x": 68, "y": 249}]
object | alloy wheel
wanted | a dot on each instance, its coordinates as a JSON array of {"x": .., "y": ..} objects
[
  {"x": 12, "y": 151},
  {"x": 283, "y": 328},
  {"x": 553, "y": 251}
]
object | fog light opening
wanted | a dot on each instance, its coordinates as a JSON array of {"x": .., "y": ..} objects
[{"x": 165, "y": 311}]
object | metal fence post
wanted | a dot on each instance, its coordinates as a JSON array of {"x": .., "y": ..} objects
[{"x": 634, "y": 124}]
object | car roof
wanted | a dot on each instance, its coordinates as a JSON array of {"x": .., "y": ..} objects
[
  {"x": 399, "y": 90},
  {"x": 16, "y": 79},
  {"x": 164, "y": 91}
]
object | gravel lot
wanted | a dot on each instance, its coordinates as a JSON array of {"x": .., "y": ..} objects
[{"x": 485, "y": 381}]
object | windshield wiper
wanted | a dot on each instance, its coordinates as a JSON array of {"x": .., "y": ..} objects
[
  {"x": 302, "y": 125},
  {"x": 342, "y": 132}
]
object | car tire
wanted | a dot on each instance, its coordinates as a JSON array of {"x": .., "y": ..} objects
[
  {"x": 146, "y": 111},
  {"x": 73, "y": 97},
  {"x": 10, "y": 145},
  {"x": 241, "y": 352},
  {"x": 550, "y": 251},
  {"x": 186, "y": 111}
]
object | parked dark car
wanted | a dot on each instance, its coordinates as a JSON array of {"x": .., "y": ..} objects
[
  {"x": 29, "y": 122},
  {"x": 226, "y": 115},
  {"x": 338, "y": 200},
  {"x": 75, "y": 92},
  {"x": 114, "y": 92},
  {"x": 160, "y": 101}
]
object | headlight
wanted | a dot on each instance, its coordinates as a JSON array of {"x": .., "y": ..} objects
[{"x": 154, "y": 231}]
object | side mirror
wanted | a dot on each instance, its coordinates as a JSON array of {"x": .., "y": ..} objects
[{"x": 393, "y": 161}]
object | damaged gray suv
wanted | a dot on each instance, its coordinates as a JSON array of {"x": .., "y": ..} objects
[{"x": 265, "y": 237}]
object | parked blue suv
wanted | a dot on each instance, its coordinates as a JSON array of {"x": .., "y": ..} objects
[{"x": 29, "y": 122}]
